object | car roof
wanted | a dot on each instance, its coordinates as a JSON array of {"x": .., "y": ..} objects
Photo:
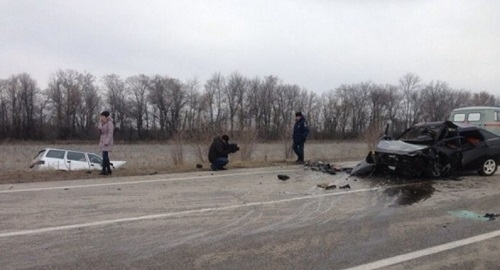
[
  {"x": 460, "y": 126},
  {"x": 476, "y": 108},
  {"x": 59, "y": 149}
]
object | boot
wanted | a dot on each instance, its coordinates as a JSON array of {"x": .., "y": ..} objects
[{"x": 109, "y": 168}]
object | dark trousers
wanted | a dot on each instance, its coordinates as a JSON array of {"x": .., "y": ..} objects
[
  {"x": 298, "y": 148},
  {"x": 105, "y": 159},
  {"x": 219, "y": 163}
]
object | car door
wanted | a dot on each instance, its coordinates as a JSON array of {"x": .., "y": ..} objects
[
  {"x": 475, "y": 150},
  {"x": 76, "y": 161},
  {"x": 95, "y": 161},
  {"x": 54, "y": 159}
]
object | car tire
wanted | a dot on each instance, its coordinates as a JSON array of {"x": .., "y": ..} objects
[{"x": 488, "y": 168}]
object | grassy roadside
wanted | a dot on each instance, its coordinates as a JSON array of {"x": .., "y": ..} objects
[
  {"x": 150, "y": 159},
  {"x": 27, "y": 176}
]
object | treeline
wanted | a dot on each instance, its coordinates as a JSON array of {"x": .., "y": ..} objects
[{"x": 160, "y": 107}]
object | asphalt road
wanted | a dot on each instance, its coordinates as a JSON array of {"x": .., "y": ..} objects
[{"x": 248, "y": 219}]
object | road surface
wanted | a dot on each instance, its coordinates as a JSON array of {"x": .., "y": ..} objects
[{"x": 248, "y": 219}]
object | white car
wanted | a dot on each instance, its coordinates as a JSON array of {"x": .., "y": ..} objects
[{"x": 69, "y": 160}]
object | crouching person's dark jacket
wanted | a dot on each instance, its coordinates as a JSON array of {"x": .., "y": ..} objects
[{"x": 219, "y": 148}]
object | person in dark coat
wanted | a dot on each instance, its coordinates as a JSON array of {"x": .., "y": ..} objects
[
  {"x": 300, "y": 132},
  {"x": 106, "y": 128},
  {"x": 219, "y": 151}
]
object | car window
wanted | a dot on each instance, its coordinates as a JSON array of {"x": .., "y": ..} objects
[
  {"x": 76, "y": 156},
  {"x": 488, "y": 135},
  {"x": 497, "y": 116},
  {"x": 418, "y": 132},
  {"x": 459, "y": 117},
  {"x": 474, "y": 117},
  {"x": 94, "y": 159},
  {"x": 59, "y": 154},
  {"x": 473, "y": 137}
]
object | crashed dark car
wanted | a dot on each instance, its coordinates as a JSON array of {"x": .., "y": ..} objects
[{"x": 434, "y": 150}]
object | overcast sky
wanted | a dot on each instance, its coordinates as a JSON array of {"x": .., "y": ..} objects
[{"x": 317, "y": 44}]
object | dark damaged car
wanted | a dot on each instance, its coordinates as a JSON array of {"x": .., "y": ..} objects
[{"x": 434, "y": 150}]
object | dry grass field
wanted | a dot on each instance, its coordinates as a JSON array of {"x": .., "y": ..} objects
[{"x": 143, "y": 159}]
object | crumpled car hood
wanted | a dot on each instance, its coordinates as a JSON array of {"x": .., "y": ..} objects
[{"x": 398, "y": 147}]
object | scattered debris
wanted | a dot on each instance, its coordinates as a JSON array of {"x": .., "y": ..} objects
[
  {"x": 327, "y": 186},
  {"x": 153, "y": 173},
  {"x": 66, "y": 189},
  {"x": 346, "y": 186},
  {"x": 118, "y": 189},
  {"x": 199, "y": 166},
  {"x": 283, "y": 177},
  {"x": 491, "y": 216},
  {"x": 324, "y": 167},
  {"x": 11, "y": 187}
]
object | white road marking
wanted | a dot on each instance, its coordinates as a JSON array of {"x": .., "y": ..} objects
[
  {"x": 176, "y": 214},
  {"x": 425, "y": 252},
  {"x": 145, "y": 181}
]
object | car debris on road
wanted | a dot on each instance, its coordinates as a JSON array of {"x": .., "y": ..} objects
[
  {"x": 327, "y": 168},
  {"x": 283, "y": 177},
  {"x": 327, "y": 186},
  {"x": 491, "y": 216}
]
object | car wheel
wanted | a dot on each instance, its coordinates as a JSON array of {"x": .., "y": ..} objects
[{"x": 488, "y": 168}]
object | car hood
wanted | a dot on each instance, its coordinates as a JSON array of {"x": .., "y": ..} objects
[
  {"x": 398, "y": 147},
  {"x": 118, "y": 163}
]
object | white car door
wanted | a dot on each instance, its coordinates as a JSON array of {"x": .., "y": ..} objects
[
  {"x": 54, "y": 159},
  {"x": 95, "y": 161},
  {"x": 76, "y": 161}
]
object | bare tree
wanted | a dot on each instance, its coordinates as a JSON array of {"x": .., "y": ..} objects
[
  {"x": 138, "y": 86},
  {"x": 116, "y": 97},
  {"x": 435, "y": 105},
  {"x": 411, "y": 107},
  {"x": 89, "y": 108},
  {"x": 65, "y": 96},
  {"x": 235, "y": 92},
  {"x": 483, "y": 99},
  {"x": 215, "y": 100}
]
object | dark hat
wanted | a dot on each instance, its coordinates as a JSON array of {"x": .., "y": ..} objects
[
  {"x": 225, "y": 137},
  {"x": 298, "y": 114},
  {"x": 105, "y": 113}
]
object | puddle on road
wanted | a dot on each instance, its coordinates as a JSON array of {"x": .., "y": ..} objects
[
  {"x": 411, "y": 193},
  {"x": 402, "y": 191}
]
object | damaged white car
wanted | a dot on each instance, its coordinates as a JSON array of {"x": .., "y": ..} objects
[{"x": 69, "y": 160}]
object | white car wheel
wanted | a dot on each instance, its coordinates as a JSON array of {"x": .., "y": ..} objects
[{"x": 489, "y": 167}]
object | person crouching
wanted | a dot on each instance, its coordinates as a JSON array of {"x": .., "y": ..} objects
[{"x": 219, "y": 151}]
